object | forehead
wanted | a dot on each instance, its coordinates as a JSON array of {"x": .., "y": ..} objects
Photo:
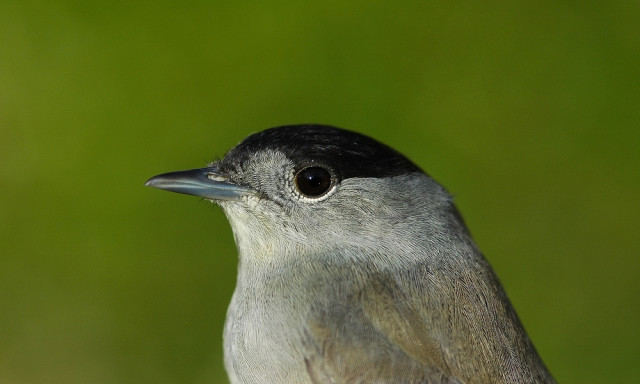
[{"x": 350, "y": 153}]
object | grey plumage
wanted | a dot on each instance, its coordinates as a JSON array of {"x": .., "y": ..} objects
[{"x": 375, "y": 280}]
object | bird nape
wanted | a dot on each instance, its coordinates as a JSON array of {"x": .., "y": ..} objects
[{"x": 354, "y": 267}]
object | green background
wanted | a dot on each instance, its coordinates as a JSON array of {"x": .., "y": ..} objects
[{"x": 527, "y": 111}]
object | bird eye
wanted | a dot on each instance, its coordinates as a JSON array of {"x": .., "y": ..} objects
[{"x": 313, "y": 181}]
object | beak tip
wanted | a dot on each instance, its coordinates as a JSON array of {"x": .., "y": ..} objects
[{"x": 150, "y": 183}]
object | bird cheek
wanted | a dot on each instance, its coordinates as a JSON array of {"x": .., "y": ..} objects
[{"x": 252, "y": 202}]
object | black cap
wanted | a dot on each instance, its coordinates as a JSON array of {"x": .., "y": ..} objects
[{"x": 349, "y": 153}]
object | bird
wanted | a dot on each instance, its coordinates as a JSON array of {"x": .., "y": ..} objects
[{"x": 354, "y": 266}]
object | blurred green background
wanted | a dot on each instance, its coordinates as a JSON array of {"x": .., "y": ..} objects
[{"x": 527, "y": 111}]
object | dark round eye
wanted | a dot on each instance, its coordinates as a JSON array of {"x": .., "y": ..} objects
[{"x": 313, "y": 181}]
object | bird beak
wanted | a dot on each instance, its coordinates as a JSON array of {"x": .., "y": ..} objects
[{"x": 204, "y": 182}]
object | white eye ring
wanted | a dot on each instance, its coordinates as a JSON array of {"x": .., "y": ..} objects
[{"x": 312, "y": 184}]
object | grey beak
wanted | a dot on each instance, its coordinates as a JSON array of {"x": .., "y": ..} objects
[{"x": 204, "y": 182}]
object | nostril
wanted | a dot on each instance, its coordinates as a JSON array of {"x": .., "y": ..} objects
[{"x": 216, "y": 177}]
